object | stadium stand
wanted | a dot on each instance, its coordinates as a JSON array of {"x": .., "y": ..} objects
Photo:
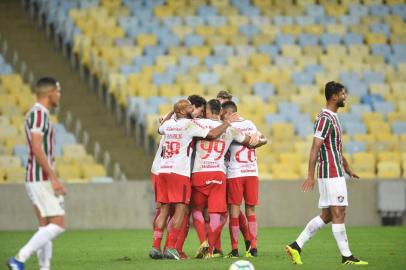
[
  {"x": 146, "y": 53},
  {"x": 73, "y": 163}
]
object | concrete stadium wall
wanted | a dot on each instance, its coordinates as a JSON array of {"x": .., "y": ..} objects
[{"x": 130, "y": 205}]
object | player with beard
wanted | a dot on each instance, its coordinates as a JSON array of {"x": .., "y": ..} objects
[{"x": 326, "y": 152}]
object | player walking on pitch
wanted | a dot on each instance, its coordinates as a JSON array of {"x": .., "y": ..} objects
[
  {"x": 326, "y": 151},
  {"x": 42, "y": 185}
]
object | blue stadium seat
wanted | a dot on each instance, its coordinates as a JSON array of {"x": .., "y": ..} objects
[
  {"x": 264, "y": 90},
  {"x": 207, "y": 78},
  {"x": 249, "y": 30},
  {"x": 194, "y": 21},
  {"x": 305, "y": 20},
  {"x": 213, "y": 60},
  {"x": 189, "y": 61},
  {"x": 379, "y": 10},
  {"x": 354, "y": 127},
  {"x": 223, "y": 50},
  {"x": 206, "y": 11},
  {"x": 353, "y": 147},
  {"x": 271, "y": 50},
  {"x": 380, "y": 28},
  {"x": 353, "y": 39},
  {"x": 315, "y": 10},
  {"x": 162, "y": 78},
  {"x": 330, "y": 39},
  {"x": 383, "y": 107},
  {"x": 193, "y": 40},
  {"x": 283, "y": 20},
  {"x": 216, "y": 21},
  {"x": 271, "y": 118},
  {"x": 172, "y": 21},
  {"x": 399, "y": 127},
  {"x": 308, "y": 40},
  {"x": 374, "y": 77},
  {"x": 302, "y": 78}
]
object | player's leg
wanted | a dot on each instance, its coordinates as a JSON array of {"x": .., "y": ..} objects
[
  {"x": 171, "y": 252},
  {"x": 234, "y": 200},
  {"x": 216, "y": 207},
  {"x": 46, "y": 234},
  {"x": 183, "y": 234},
  {"x": 340, "y": 234},
  {"x": 159, "y": 226},
  {"x": 199, "y": 202},
  {"x": 44, "y": 254},
  {"x": 218, "y": 251},
  {"x": 243, "y": 222},
  {"x": 251, "y": 200}
]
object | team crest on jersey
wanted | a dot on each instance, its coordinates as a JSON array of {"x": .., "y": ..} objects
[{"x": 340, "y": 198}]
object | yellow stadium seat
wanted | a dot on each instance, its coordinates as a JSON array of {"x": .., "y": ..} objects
[
  {"x": 338, "y": 29},
  {"x": 336, "y": 50},
  {"x": 238, "y": 40},
  {"x": 168, "y": 90},
  {"x": 359, "y": 29},
  {"x": 163, "y": 11},
  {"x": 292, "y": 157},
  {"x": 200, "y": 51},
  {"x": 178, "y": 51},
  {"x": 292, "y": 29},
  {"x": 68, "y": 171},
  {"x": 192, "y": 88},
  {"x": 237, "y": 20},
  {"x": 282, "y": 131},
  {"x": 379, "y": 128},
  {"x": 216, "y": 40},
  {"x": 89, "y": 171},
  {"x": 15, "y": 174},
  {"x": 293, "y": 51},
  {"x": 262, "y": 39},
  {"x": 147, "y": 90},
  {"x": 293, "y": 10},
  {"x": 364, "y": 170},
  {"x": 375, "y": 38},
  {"x": 372, "y": 117},
  {"x": 396, "y": 116},
  {"x": 146, "y": 40},
  {"x": 389, "y": 156},
  {"x": 228, "y": 11},
  {"x": 182, "y": 30},
  {"x": 388, "y": 169},
  {"x": 264, "y": 171},
  {"x": 314, "y": 29},
  {"x": 228, "y": 30},
  {"x": 73, "y": 150},
  {"x": 364, "y": 157},
  {"x": 313, "y": 51},
  {"x": 165, "y": 108},
  {"x": 7, "y": 161},
  {"x": 2, "y": 176},
  {"x": 285, "y": 171},
  {"x": 260, "y": 59},
  {"x": 166, "y": 60},
  {"x": 269, "y": 30}
]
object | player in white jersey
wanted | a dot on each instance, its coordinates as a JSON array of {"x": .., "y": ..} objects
[
  {"x": 198, "y": 105},
  {"x": 42, "y": 185},
  {"x": 209, "y": 179},
  {"x": 242, "y": 182},
  {"x": 174, "y": 188}
]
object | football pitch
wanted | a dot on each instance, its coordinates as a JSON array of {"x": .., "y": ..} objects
[{"x": 382, "y": 247}]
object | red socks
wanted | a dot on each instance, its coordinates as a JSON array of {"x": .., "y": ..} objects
[
  {"x": 244, "y": 225},
  {"x": 199, "y": 223},
  {"x": 214, "y": 230},
  {"x": 157, "y": 238},
  {"x": 253, "y": 230},
  {"x": 183, "y": 233},
  {"x": 234, "y": 232},
  {"x": 173, "y": 238}
]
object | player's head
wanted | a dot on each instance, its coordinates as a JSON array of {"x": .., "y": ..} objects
[
  {"x": 183, "y": 109},
  {"x": 224, "y": 96},
  {"x": 199, "y": 105},
  {"x": 49, "y": 90},
  {"x": 335, "y": 93},
  {"x": 213, "y": 108},
  {"x": 228, "y": 108}
]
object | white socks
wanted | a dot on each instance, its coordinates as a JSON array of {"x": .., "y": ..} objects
[
  {"x": 38, "y": 240},
  {"x": 44, "y": 255},
  {"x": 341, "y": 238},
  {"x": 310, "y": 230}
]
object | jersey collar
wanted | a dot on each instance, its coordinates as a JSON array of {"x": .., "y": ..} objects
[
  {"x": 37, "y": 104},
  {"x": 330, "y": 112}
]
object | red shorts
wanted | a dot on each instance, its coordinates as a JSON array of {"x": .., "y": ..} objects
[
  {"x": 154, "y": 180},
  {"x": 173, "y": 188},
  {"x": 240, "y": 187},
  {"x": 210, "y": 195}
]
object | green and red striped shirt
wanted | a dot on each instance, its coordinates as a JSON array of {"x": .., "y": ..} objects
[
  {"x": 330, "y": 159},
  {"x": 37, "y": 120}
]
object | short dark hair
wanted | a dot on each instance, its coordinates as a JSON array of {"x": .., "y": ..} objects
[
  {"x": 224, "y": 94},
  {"x": 46, "y": 81},
  {"x": 332, "y": 88},
  {"x": 215, "y": 106},
  {"x": 229, "y": 105},
  {"x": 197, "y": 100}
]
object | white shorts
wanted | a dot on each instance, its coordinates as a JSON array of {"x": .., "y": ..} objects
[
  {"x": 42, "y": 195},
  {"x": 333, "y": 192}
]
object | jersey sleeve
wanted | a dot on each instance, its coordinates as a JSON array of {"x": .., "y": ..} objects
[
  {"x": 322, "y": 127},
  {"x": 37, "y": 120},
  {"x": 195, "y": 129},
  {"x": 236, "y": 135},
  {"x": 161, "y": 129}
]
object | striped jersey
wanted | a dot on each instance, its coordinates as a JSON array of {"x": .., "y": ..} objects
[
  {"x": 330, "y": 159},
  {"x": 37, "y": 120}
]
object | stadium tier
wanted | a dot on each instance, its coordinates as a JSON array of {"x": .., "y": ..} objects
[
  {"x": 274, "y": 56},
  {"x": 73, "y": 163}
]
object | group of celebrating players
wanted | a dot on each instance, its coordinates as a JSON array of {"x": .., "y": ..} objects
[{"x": 204, "y": 166}]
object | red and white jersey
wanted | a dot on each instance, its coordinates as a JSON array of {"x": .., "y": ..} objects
[
  {"x": 37, "y": 120},
  {"x": 243, "y": 160},
  {"x": 177, "y": 150},
  {"x": 210, "y": 154},
  {"x": 157, "y": 158}
]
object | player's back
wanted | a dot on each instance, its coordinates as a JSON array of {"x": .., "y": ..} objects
[
  {"x": 210, "y": 153},
  {"x": 242, "y": 160},
  {"x": 177, "y": 150}
]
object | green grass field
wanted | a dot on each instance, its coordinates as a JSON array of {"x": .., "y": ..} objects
[{"x": 383, "y": 247}]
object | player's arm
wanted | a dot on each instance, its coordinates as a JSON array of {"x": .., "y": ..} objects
[
  {"x": 348, "y": 169},
  {"x": 309, "y": 182},
  {"x": 216, "y": 132},
  {"x": 259, "y": 141},
  {"x": 43, "y": 162},
  {"x": 166, "y": 117}
]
